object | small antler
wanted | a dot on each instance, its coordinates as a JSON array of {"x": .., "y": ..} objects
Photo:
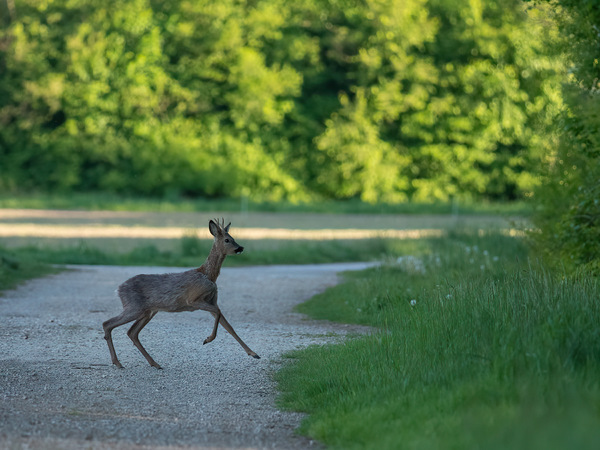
[{"x": 221, "y": 224}]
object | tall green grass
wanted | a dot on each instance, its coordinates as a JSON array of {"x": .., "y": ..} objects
[{"x": 475, "y": 346}]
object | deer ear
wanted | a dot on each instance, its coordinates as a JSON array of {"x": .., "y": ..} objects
[
  {"x": 227, "y": 227},
  {"x": 213, "y": 228}
]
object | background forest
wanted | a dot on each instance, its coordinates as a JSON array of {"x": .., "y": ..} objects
[
  {"x": 376, "y": 100},
  {"x": 379, "y": 100}
]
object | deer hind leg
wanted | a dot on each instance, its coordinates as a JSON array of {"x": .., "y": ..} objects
[
  {"x": 231, "y": 331},
  {"x": 123, "y": 318},
  {"x": 133, "y": 333}
]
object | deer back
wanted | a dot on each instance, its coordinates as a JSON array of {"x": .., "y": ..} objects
[{"x": 168, "y": 292}]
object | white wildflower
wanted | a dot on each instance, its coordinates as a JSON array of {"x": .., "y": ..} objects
[{"x": 411, "y": 264}]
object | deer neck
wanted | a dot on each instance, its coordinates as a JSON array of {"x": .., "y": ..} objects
[{"x": 212, "y": 266}]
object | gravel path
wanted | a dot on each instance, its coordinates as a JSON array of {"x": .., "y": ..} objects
[{"x": 59, "y": 390}]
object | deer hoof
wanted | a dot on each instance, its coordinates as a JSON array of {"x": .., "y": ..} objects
[{"x": 255, "y": 356}]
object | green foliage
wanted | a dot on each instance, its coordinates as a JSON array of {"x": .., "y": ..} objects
[
  {"x": 569, "y": 205},
  {"x": 476, "y": 348},
  {"x": 377, "y": 100}
]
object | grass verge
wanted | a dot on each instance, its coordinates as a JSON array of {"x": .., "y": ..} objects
[
  {"x": 192, "y": 251},
  {"x": 15, "y": 269},
  {"x": 25, "y": 262},
  {"x": 475, "y": 346}
]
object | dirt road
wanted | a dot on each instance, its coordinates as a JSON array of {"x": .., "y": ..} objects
[{"x": 59, "y": 390}]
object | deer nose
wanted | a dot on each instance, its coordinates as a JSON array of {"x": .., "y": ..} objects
[{"x": 239, "y": 250}]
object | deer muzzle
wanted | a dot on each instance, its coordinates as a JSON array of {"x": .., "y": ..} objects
[{"x": 239, "y": 250}]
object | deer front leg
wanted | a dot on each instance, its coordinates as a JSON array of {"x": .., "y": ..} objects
[
  {"x": 229, "y": 328},
  {"x": 213, "y": 335}
]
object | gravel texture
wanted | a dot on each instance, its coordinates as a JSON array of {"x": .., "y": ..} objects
[{"x": 58, "y": 388}]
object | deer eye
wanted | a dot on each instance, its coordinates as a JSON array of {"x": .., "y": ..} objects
[{"x": 227, "y": 241}]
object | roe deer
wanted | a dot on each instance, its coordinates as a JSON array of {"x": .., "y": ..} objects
[{"x": 145, "y": 295}]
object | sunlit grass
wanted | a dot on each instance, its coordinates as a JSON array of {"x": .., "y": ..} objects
[{"x": 475, "y": 347}]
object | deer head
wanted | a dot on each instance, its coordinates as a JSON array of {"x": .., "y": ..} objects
[{"x": 224, "y": 243}]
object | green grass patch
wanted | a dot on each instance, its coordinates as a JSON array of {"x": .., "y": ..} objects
[
  {"x": 192, "y": 251},
  {"x": 94, "y": 201},
  {"x": 16, "y": 268},
  {"x": 475, "y": 346},
  {"x": 21, "y": 263}
]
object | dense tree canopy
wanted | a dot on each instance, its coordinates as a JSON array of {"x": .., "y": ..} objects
[{"x": 384, "y": 100}]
